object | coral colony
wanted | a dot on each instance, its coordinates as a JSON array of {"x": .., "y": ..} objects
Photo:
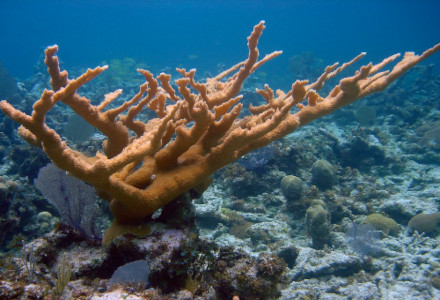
[{"x": 145, "y": 165}]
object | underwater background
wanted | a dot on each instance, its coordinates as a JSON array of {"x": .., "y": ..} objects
[
  {"x": 202, "y": 34},
  {"x": 346, "y": 207}
]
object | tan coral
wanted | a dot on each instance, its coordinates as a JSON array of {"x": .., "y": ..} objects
[{"x": 140, "y": 174}]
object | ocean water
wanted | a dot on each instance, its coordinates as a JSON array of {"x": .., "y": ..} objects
[{"x": 203, "y": 34}]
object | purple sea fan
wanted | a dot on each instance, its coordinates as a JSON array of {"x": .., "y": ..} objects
[
  {"x": 257, "y": 159},
  {"x": 364, "y": 239},
  {"x": 74, "y": 199}
]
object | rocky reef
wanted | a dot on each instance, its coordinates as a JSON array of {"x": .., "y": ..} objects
[{"x": 345, "y": 207}]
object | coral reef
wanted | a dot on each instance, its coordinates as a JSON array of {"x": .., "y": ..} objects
[
  {"x": 140, "y": 175},
  {"x": 243, "y": 234},
  {"x": 176, "y": 264}
]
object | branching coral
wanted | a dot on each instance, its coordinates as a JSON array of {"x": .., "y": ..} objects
[{"x": 197, "y": 130}]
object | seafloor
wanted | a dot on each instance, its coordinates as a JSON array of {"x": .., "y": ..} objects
[{"x": 320, "y": 214}]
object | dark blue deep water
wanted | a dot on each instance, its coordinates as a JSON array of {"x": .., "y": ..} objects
[{"x": 203, "y": 34}]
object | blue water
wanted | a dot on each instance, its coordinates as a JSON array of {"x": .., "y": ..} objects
[{"x": 202, "y": 34}]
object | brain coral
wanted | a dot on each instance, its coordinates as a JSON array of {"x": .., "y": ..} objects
[
  {"x": 427, "y": 223},
  {"x": 385, "y": 224}
]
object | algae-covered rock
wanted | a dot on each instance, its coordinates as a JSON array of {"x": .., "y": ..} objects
[
  {"x": 427, "y": 223},
  {"x": 385, "y": 224}
]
